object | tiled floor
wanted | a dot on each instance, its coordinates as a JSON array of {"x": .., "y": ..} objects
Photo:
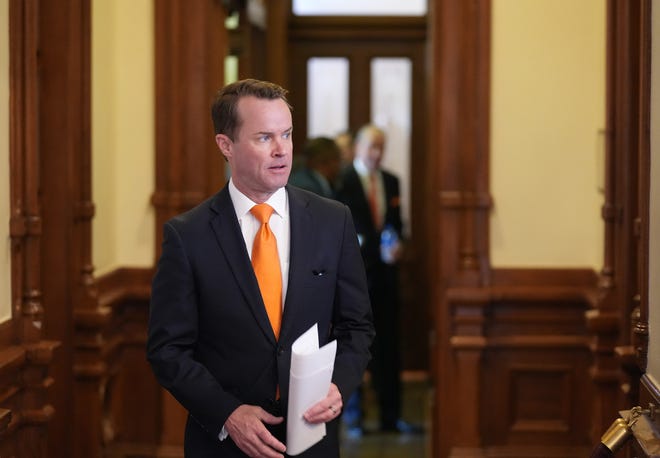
[{"x": 393, "y": 445}]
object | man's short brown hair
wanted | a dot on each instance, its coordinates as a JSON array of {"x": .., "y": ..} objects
[{"x": 224, "y": 109}]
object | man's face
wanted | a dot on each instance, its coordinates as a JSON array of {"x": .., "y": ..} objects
[
  {"x": 261, "y": 153},
  {"x": 370, "y": 149}
]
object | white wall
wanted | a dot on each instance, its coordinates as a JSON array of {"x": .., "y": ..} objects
[{"x": 548, "y": 107}]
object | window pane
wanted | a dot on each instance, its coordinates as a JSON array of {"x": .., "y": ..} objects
[
  {"x": 327, "y": 96},
  {"x": 359, "y": 7},
  {"x": 391, "y": 110}
]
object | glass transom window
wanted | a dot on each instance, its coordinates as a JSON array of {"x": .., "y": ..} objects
[{"x": 359, "y": 7}]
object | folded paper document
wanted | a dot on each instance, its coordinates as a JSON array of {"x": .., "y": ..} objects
[{"x": 309, "y": 382}]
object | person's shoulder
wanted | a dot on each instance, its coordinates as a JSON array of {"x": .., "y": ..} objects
[
  {"x": 197, "y": 214},
  {"x": 312, "y": 200},
  {"x": 391, "y": 181},
  {"x": 302, "y": 178},
  {"x": 348, "y": 170},
  {"x": 389, "y": 175},
  {"x": 348, "y": 177}
]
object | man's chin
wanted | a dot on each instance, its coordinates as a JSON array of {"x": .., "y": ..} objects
[
  {"x": 280, "y": 179},
  {"x": 277, "y": 184}
]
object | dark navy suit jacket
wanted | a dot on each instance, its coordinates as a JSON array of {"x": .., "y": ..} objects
[
  {"x": 352, "y": 194},
  {"x": 210, "y": 342}
]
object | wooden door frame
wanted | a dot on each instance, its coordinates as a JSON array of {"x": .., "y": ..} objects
[{"x": 369, "y": 37}]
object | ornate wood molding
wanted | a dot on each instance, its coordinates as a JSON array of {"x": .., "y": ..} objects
[
  {"x": 26, "y": 218},
  {"x": 26, "y": 355},
  {"x": 619, "y": 319}
]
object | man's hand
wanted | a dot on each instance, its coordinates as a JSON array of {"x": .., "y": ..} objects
[
  {"x": 326, "y": 409},
  {"x": 246, "y": 428}
]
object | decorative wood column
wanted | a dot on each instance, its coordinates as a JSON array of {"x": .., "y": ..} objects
[
  {"x": 619, "y": 298},
  {"x": 277, "y": 42},
  {"x": 459, "y": 129},
  {"x": 191, "y": 44},
  {"x": 458, "y": 195},
  {"x": 26, "y": 355}
]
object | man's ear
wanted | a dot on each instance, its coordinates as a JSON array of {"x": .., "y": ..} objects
[{"x": 224, "y": 144}]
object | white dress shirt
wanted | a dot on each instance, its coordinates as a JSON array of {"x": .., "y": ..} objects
[{"x": 279, "y": 223}]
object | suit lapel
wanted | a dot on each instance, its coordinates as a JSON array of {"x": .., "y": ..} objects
[
  {"x": 231, "y": 242},
  {"x": 360, "y": 205},
  {"x": 301, "y": 243}
]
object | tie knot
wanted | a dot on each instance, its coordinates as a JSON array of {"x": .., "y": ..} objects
[{"x": 262, "y": 212}]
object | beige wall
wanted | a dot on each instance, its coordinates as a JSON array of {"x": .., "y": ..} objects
[
  {"x": 548, "y": 107},
  {"x": 5, "y": 253},
  {"x": 123, "y": 133}
]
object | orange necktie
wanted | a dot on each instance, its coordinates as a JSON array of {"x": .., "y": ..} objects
[{"x": 266, "y": 264}]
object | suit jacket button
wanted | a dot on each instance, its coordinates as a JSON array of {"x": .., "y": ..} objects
[{"x": 280, "y": 351}]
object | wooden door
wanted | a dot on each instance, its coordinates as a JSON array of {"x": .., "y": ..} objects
[{"x": 360, "y": 40}]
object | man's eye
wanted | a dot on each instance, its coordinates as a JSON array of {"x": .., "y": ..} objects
[
  {"x": 286, "y": 135},
  {"x": 264, "y": 138}
]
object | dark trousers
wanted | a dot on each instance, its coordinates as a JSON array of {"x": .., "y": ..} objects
[{"x": 385, "y": 365}]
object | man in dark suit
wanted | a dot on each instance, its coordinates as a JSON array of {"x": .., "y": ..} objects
[
  {"x": 320, "y": 170},
  {"x": 211, "y": 342},
  {"x": 372, "y": 194}
]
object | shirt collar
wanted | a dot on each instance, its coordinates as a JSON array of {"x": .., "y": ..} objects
[
  {"x": 243, "y": 204},
  {"x": 362, "y": 169}
]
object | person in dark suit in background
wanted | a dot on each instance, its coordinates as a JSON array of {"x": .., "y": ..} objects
[
  {"x": 372, "y": 194},
  {"x": 211, "y": 341},
  {"x": 320, "y": 169},
  {"x": 344, "y": 141}
]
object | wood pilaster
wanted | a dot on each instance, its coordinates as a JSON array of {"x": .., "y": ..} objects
[
  {"x": 25, "y": 360},
  {"x": 458, "y": 194},
  {"x": 622, "y": 283},
  {"x": 191, "y": 44}
]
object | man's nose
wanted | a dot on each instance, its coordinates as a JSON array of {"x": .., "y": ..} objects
[{"x": 279, "y": 148}]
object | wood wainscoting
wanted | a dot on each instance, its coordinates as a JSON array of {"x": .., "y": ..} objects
[
  {"x": 515, "y": 380},
  {"x": 24, "y": 391},
  {"x": 115, "y": 388}
]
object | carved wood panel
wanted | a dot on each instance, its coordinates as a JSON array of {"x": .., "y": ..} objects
[{"x": 518, "y": 364}]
